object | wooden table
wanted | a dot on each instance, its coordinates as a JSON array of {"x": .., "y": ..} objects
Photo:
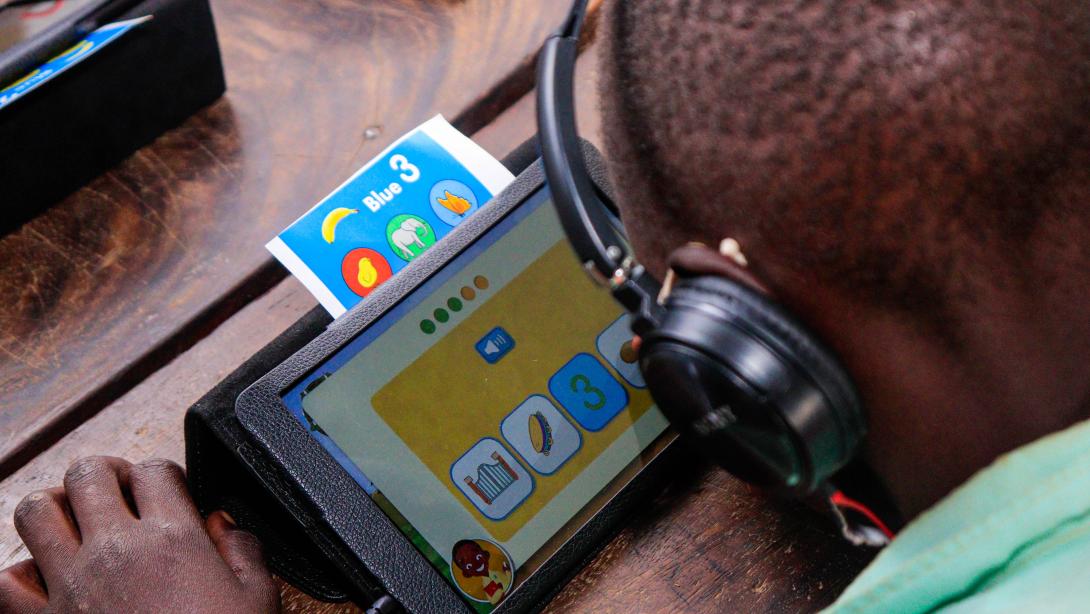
[{"x": 131, "y": 298}]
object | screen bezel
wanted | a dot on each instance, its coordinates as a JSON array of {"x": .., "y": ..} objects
[{"x": 344, "y": 508}]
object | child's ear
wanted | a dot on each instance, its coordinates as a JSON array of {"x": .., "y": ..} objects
[{"x": 694, "y": 260}]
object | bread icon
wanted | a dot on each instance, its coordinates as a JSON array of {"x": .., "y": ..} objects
[{"x": 541, "y": 433}]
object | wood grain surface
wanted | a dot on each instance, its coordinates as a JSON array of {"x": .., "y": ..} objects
[
  {"x": 117, "y": 279},
  {"x": 712, "y": 544}
]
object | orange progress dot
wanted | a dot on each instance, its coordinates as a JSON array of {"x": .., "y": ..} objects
[
  {"x": 468, "y": 293},
  {"x": 481, "y": 282}
]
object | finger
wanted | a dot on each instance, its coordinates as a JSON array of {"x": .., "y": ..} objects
[
  {"x": 239, "y": 549},
  {"x": 159, "y": 491},
  {"x": 93, "y": 488},
  {"x": 45, "y": 525},
  {"x": 21, "y": 590}
]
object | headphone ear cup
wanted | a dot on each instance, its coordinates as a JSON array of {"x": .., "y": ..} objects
[{"x": 751, "y": 386}]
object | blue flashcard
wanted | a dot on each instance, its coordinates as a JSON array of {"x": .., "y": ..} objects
[
  {"x": 77, "y": 53},
  {"x": 393, "y": 209}
]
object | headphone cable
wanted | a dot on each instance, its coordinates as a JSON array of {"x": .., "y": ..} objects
[{"x": 840, "y": 502}]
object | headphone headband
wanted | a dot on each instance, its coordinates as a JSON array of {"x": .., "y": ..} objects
[
  {"x": 746, "y": 382},
  {"x": 603, "y": 251}
]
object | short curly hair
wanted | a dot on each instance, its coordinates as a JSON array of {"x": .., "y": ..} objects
[{"x": 892, "y": 148}]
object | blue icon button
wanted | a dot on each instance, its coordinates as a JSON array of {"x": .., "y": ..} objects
[
  {"x": 452, "y": 201},
  {"x": 493, "y": 481},
  {"x": 495, "y": 345},
  {"x": 590, "y": 394}
]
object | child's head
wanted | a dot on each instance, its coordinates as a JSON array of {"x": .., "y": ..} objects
[
  {"x": 911, "y": 178},
  {"x": 896, "y": 150}
]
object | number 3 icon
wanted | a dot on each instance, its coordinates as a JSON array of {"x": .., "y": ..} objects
[
  {"x": 588, "y": 392},
  {"x": 581, "y": 383}
]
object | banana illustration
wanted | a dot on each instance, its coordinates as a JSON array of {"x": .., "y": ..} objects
[
  {"x": 368, "y": 274},
  {"x": 329, "y": 224}
]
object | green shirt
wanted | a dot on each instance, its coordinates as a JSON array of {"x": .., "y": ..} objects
[{"x": 1014, "y": 538}]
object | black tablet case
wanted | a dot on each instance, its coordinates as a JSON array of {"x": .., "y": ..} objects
[
  {"x": 84, "y": 121},
  {"x": 228, "y": 471}
]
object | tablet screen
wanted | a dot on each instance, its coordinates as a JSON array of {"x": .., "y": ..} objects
[{"x": 493, "y": 411}]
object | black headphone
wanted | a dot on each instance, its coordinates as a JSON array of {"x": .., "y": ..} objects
[{"x": 734, "y": 372}]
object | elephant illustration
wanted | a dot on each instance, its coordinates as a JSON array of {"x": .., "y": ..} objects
[{"x": 408, "y": 234}]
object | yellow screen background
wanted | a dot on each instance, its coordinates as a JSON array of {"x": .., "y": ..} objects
[{"x": 443, "y": 417}]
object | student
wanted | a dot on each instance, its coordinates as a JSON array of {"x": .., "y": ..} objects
[{"x": 912, "y": 180}]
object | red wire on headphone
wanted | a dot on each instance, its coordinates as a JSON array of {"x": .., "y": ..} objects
[
  {"x": 841, "y": 500},
  {"x": 838, "y": 498}
]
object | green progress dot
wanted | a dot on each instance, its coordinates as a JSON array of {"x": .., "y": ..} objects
[
  {"x": 454, "y": 304},
  {"x": 427, "y": 326},
  {"x": 442, "y": 315}
]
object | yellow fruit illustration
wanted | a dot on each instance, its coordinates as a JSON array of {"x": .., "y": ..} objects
[
  {"x": 456, "y": 204},
  {"x": 368, "y": 274},
  {"x": 329, "y": 224}
]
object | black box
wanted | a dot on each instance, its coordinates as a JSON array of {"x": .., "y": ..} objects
[{"x": 84, "y": 121}]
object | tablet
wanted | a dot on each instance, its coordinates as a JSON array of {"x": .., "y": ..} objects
[{"x": 487, "y": 404}]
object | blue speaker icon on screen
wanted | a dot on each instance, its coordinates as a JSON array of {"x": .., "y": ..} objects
[{"x": 495, "y": 345}]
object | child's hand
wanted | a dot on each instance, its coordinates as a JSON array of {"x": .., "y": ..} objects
[{"x": 120, "y": 537}]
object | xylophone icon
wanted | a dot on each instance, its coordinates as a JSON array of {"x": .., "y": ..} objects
[{"x": 492, "y": 479}]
